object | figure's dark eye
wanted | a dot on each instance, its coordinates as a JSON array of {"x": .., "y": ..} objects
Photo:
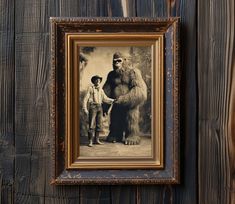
[{"x": 119, "y": 60}]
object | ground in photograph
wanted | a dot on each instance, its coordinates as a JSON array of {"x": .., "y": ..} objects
[{"x": 116, "y": 149}]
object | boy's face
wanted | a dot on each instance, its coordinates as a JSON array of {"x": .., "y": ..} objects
[{"x": 97, "y": 82}]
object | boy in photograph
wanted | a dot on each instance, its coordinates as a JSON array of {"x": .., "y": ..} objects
[{"x": 92, "y": 106}]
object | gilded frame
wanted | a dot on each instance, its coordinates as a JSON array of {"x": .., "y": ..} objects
[{"x": 66, "y": 35}]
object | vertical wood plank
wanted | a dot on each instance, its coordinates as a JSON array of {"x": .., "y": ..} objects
[
  {"x": 124, "y": 194},
  {"x": 156, "y": 194},
  {"x": 151, "y": 8},
  {"x": 95, "y": 194},
  {"x": 216, "y": 51},
  {"x": 187, "y": 191},
  {"x": 231, "y": 123},
  {"x": 7, "y": 68},
  {"x": 116, "y": 8},
  {"x": 32, "y": 172},
  {"x": 32, "y": 117}
]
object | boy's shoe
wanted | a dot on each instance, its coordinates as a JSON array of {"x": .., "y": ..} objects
[{"x": 90, "y": 143}]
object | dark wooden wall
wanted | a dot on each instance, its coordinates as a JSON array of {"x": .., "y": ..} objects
[
  {"x": 207, "y": 110},
  {"x": 216, "y": 108}
]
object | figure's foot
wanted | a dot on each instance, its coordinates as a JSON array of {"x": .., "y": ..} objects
[
  {"x": 99, "y": 142},
  {"x": 132, "y": 140},
  {"x": 90, "y": 143},
  {"x": 111, "y": 139}
]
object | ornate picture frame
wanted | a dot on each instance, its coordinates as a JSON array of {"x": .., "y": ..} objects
[{"x": 115, "y": 100}]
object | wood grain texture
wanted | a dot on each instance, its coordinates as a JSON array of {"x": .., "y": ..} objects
[
  {"x": 186, "y": 192},
  {"x": 187, "y": 10},
  {"x": 32, "y": 173},
  {"x": 124, "y": 194},
  {"x": 156, "y": 194},
  {"x": 32, "y": 122},
  {"x": 216, "y": 52},
  {"x": 7, "y": 60},
  {"x": 95, "y": 194},
  {"x": 32, "y": 128}
]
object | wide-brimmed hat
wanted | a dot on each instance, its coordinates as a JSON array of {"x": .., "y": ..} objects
[{"x": 96, "y": 77}]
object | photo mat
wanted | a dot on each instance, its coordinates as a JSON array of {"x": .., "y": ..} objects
[{"x": 138, "y": 117}]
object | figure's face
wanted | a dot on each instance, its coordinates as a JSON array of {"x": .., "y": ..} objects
[
  {"x": 117, "y": 63},
  {"x": 97, "y": 82}
]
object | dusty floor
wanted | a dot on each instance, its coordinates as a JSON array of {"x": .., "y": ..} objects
[{"x": 116, "y": 149}]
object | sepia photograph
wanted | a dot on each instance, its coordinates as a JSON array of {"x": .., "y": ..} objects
[{"x": 115, "y": 101}]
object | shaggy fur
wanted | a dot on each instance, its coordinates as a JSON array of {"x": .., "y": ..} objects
[{"x": 128, "y": 87}]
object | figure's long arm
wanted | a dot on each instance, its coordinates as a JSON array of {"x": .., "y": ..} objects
[{"x": 137, "y": 93}]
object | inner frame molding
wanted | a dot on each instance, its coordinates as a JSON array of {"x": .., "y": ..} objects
[{"x": 73, "y": 42}]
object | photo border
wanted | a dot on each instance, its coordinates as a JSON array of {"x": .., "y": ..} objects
[{"x": 60, "y": 27}]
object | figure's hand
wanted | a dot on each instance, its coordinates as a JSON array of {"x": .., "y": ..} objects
[
  {"x": 86, "y": 111},
  {"x": 116, "y": 101},
  {"x": 105, "y": 113}
]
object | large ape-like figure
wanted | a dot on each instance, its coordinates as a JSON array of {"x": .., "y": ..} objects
[{"x": 127, "y": 86}]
